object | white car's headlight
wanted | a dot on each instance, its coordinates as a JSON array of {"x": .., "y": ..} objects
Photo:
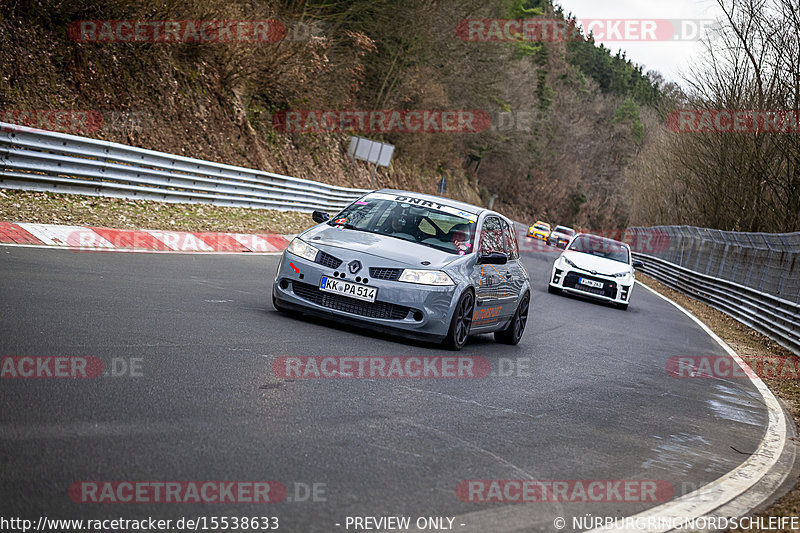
[
  {"x": 303, "y": 249},
  {"x": 567, "y": 261},
  {"x": 620, "y": 274},
  {"x": 426, "y": 277}
]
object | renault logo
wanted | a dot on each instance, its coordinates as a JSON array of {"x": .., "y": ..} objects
[{"x": 354, "y": 266}]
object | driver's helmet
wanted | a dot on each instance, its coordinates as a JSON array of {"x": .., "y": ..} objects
[{"x": 399, "y": 220}]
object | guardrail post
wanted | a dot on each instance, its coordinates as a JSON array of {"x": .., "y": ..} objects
[
  {"x": 785, "y": 272},
  {"x": 752, "y": 262},
  {"x": 764, "y": 271},
  {"x": 722, "y": 261}
]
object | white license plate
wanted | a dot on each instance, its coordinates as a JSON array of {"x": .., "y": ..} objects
[
  {"x": 345, "y": 288},
  {"x": 591, "y": 283}
]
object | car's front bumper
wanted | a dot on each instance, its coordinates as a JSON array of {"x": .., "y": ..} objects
[
  {"x": 413, "y": 310},
  {"x": 558, "y": 242},
  {"x": 615, "y": 290},
  {"x": 537, "y": 235}
]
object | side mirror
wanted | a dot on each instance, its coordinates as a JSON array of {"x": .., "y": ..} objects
[
  {"x": 320, "y": 216},
  {"x": 493, "y": 258},
  {"x": 637, "y": 264}
]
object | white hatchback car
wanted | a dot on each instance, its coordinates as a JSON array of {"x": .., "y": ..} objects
[{"x": 596, "y": 267}]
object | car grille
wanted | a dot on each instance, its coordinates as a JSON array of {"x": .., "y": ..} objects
[
  {"x": 377, "y": 309},
  {"x": 389, "y": 274},
  {"x": 609, "y": 289},
  {"x": 328, "y": 260}
]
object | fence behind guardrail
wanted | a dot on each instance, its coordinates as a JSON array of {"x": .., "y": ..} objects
[
  {"x": 754, "y": 277},
  {"x": 41, "y": 160},
  {"x": 766, "y": 262}
]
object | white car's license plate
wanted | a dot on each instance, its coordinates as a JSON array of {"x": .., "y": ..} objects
[
  {"x": 345, "y": 288},
  {"x": 591, "y": 283}
]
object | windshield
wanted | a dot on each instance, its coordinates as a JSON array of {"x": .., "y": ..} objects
[
  {"x": 541, "y": 227},
  {"x": 600, "y": 247},
  {"x": 565, "y": 231},
  {"x": 411, "y": 219}
]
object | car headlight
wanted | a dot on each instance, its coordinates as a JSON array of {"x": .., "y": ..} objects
[
  {"x": 303, "y": 249},
  {"x": 570, "y": 263},
  {"x": 426, "y": 277},
  {"x": 620, "y": 274}
]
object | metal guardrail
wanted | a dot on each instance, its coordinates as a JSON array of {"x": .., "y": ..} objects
[
  {"x": 40, "y": 160},
  {"x": 774, "y": 317}
]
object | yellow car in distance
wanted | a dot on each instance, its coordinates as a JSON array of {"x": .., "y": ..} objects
[{"x": 540, "y": 230}]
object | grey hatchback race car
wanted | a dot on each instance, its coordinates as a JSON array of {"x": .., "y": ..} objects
[{"x": 418, "y": 265}]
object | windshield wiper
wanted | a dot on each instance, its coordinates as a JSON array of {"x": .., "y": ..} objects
[{"x": 347, "y": 225}]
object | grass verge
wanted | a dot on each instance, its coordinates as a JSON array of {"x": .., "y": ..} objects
[{"x": 80, "y": 210}]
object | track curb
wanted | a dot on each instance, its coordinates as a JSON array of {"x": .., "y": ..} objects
[{"x": 92, "y": 239}]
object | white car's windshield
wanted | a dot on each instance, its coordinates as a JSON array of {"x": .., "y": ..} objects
[
  {"x": 424, "y": 222},
  {"x": 601, "y": 247}
]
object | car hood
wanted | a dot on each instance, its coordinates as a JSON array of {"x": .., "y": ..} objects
[
  {"x": 594, "y": 263},
  {"x": 394, "y": 252}
]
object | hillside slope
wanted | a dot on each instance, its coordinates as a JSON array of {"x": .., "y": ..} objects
[{"x": 557, "y": 149}]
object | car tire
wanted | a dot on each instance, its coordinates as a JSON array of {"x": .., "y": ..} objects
[
  {"x": 461, "y": 322},
  {"x": 513, "y": 333},
  {"x": 553, "y": 290},
  {"x": 622, "y": 307}
]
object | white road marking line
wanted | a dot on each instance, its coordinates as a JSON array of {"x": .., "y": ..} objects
[{"x": 736, "y": 482}]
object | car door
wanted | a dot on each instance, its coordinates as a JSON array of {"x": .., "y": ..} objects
[
  {"x": 490, "y": 280},
  {"x": 515, "y": 272}
]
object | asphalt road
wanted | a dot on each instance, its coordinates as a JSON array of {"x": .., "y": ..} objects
[{"x": 589, "y": 398}]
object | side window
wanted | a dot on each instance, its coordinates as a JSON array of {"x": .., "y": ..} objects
[
  {"x": 491, "y": 236},
  {"x": 426, "y": 228},
  {"x": 511, "y": 241}
]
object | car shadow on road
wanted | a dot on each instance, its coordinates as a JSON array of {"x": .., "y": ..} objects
[
  {"x": 588, "y": 300},
  {"x": 479, "y": 342},
  {"x": 353, "y": 328}
]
